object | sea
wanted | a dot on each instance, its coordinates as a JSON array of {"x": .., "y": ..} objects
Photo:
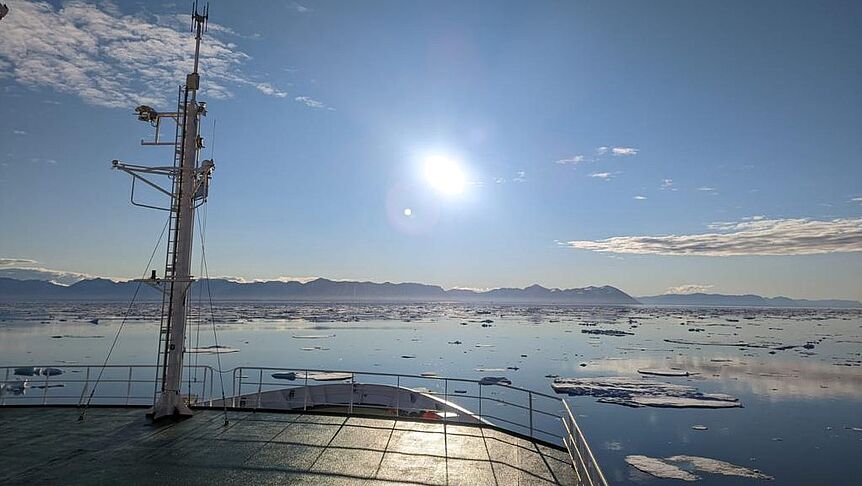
[{"x": 797, "y": 373}]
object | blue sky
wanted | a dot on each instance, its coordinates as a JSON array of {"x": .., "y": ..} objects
[{"x": 647, "y": 145}]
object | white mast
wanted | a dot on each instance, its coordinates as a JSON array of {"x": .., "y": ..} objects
[{"x": 190, "y": 189}]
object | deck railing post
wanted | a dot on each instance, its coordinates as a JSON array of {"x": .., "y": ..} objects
[
  {"x": 480, "y": 400},
  {"x": 305, "y": 395},
  {"x": 45, "y": 390},
  {"x": 5, "y": 382},
  {"x": 259, "y": 388},
  {"x": 239, "y": 384},
  {"x": 397, "y": 395},
  {"x": 129, "y": 386},
  {"x": 352, "y": 391},
  {"x": 530, "y": 394}
]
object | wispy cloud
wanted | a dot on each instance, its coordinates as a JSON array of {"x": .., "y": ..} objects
[
  {"x": 520, "y": 177},
  {"x": 623, "y": 151},
  {"x": 605, "y": 176},
  {"x": 19, "y": 132},
  {"x": 707, "y": 189},
  {"x": 270, "y": 90},
  {"x": 688, "y": 289},
  {"x": 297, "y": 7},
  {"x": 312, "y": 103},
  {"x": 667, "y": 185},
  {"x": 26, "y": 269},
  {"x": 573, "y": 160},
  {"x": 599, "y": 153},
  {"x": 11, "y": 262},
  {"x": 640, "y": 198},
  {"x": 114, "y": 60},
  {"x": 857, "y": 199},
  {"x": 751, "y": 237}
]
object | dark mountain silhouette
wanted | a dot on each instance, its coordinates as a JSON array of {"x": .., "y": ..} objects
[
  {"x": 320, "y": 289},
  {"x": 748, "y": 300}
]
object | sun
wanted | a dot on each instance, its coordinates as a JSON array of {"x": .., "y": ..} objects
[{"x": 444, "y": 175}]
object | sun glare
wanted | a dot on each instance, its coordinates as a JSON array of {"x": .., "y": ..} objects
[{"x": 444, "y": 175}]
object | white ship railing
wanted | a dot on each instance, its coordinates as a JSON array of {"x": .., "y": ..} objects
[{"x": 537, "y": 415}]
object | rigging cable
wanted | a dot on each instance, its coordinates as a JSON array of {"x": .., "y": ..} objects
[
  {"x": 123, "y": 322},
  {"x": 212, "y": 320}
]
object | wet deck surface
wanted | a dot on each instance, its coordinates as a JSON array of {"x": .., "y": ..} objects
[{"x": 46, "y": 445}]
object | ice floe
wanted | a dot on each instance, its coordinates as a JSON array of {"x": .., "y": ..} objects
[
  {"x": 641, "y": 392},
  {"x": 683, "y": 467}
]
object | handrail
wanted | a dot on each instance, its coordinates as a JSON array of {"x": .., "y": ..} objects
[
  {"x": 589, "y": 472},
  {"x": 532, "y": 417}
]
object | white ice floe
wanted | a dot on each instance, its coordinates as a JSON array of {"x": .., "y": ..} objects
[
  {"x": 313, "y": 336},
  {"x": 641, "y": 392},
  {"x": 714, "y": 466},
  {"x": 665, "y": 372},
  {"x": 312, "y": 375},
  {"x": 659, "y": 468},
  {"x": 669, "y": 467},
  {"x": 212, "y": 350}
]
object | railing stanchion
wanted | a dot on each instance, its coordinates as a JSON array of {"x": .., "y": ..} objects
[
  {"x": 259, "y": 388},
  {"x": 352, "y": 391},
  {"x": 530, "y": 394},
  {"x": 239, "y": 386},
  {"x": 305, "y": 395},
  {"x": 45, "y": 390},
  {"x": 129, "y": 386},
  {"x": 5, "y": 382},
  {"x": 397, "y": 395},
  {"x": 480, "y": 400}
]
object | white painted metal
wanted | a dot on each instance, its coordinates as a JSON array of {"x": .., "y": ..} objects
[{"x": 190, "y": 187}]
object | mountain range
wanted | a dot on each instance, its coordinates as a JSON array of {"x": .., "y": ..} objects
[
  {"x": 325, "y": 290},
  {"x": 321, "y": 289},
  {"x": 748, "y": 300}
]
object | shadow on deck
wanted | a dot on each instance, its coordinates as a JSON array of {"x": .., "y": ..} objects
[{"x": 48, "y": 445}]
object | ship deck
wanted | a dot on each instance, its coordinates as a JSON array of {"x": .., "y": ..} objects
[{"x": 117, "y": 445}]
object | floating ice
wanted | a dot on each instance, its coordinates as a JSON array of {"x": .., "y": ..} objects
[
  {"x": 313, "y": 336},
  {"x": 495, "y": 380},
  {"x": 607, "y": 332},
  {"x": 665, "y": 372},
  {"x": 659, "y": 468},
  {"x": 641, "y": 392},
  {"x": 216, "y": 349},
  {"x": 312, "y": 375},
  {"x": 668, "y": 468}
]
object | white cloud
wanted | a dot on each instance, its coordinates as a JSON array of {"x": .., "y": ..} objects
[
  {"x": 312, "y": 103},
  {"x": 19, "y": 132},
  {"x": 857, "y": 199},
  {"x": 27, "y": 269},
  {"x": 667, "y": 184},
  {"x": 10, "y": 262},
  {"x": 602, "y": 150},
  {"x": 114, "y": 60},
  {"x": 573, "y": 160},
  {"x": 605, "y": 176},
  {"x": 296, "y": 6},
  {"x": 753, "y": 237},
  {"x": 706, "y": 189},
  {"x": 520, "y": 177},
  {"x": 623, "y": 151},
  {"x": 270, "y": 90},
  {"x": 688, "y": 289},
  {"x": 640, "y": 198}
]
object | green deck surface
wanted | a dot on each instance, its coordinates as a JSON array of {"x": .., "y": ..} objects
[{"x": 48, "y": 445}]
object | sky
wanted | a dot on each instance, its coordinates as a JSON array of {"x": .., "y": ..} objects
[{"x": 673, "y": 146}]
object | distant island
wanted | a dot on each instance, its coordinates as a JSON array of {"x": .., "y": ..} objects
[
  {"x": 748, "y": 300},
  {"x": 325, "y": 290},
  {"x": 318, "y": 290}
]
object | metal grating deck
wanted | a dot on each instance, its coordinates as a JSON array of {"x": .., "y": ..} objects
[{"x": 47, "y": 445}]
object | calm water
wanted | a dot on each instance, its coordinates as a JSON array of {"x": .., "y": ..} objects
[{"x": 800, "y": 405}]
